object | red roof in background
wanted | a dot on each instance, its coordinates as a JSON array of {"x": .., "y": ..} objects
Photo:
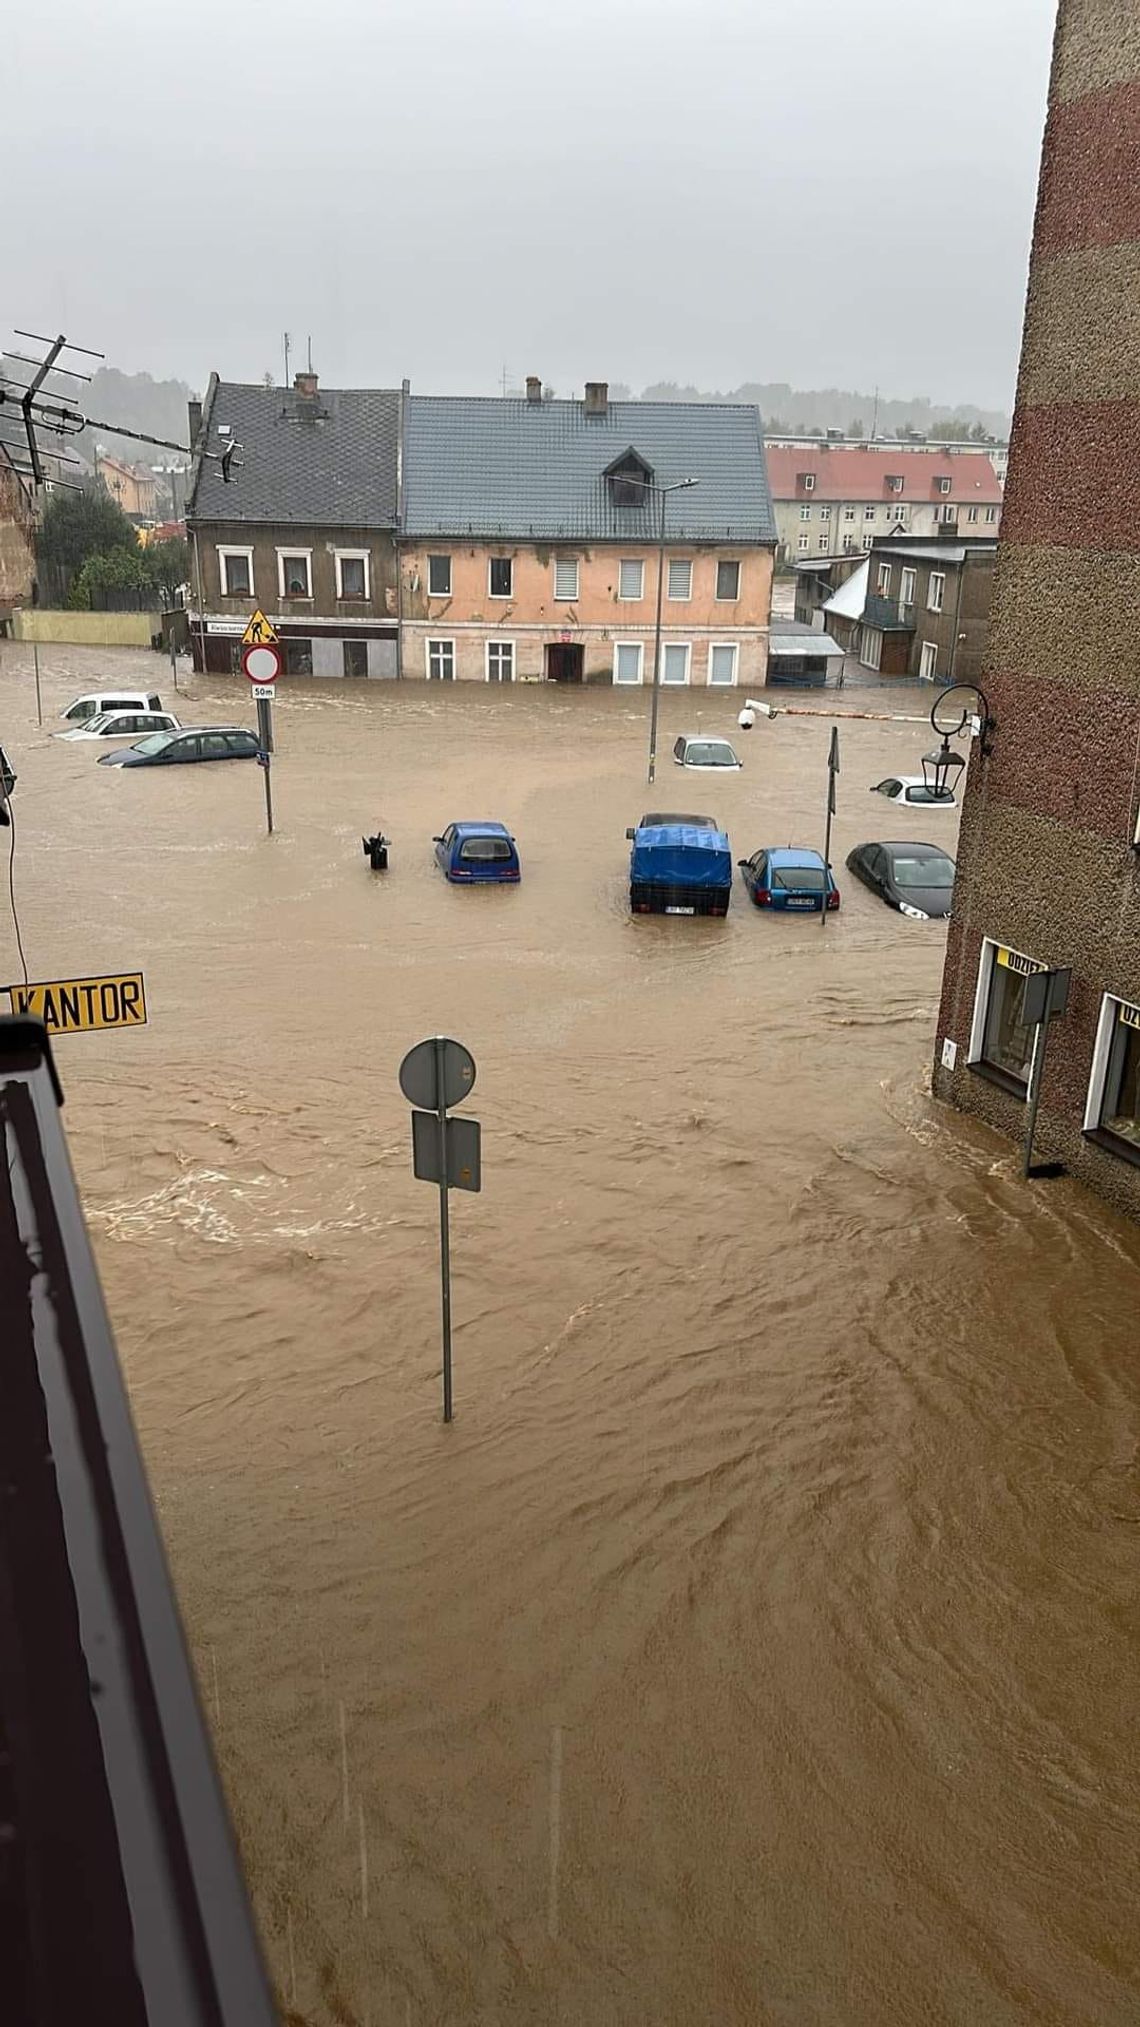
[{"x": 862, "y": 475}]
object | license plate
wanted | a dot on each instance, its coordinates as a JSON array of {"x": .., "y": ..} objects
[
  {"x": 680, "y": 911},
  {"x": 799, "y": 904}
]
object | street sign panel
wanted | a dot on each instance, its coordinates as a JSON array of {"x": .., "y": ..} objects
[
  {"x": 69, "y": 1006},
  {"x": 463, "y": 1151},
  {"x": 261, "y": 664},
  {"x": 263, "y": 692},
  {"x": 437, "y": 1073},
  {"x": 1046, "y": 996},
  {"x": 259, "y": 631}
]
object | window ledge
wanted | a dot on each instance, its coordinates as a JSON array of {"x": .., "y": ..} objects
[
  {"x": 992, "y": 1075},
  {"x": 1111, "y": 1143}
]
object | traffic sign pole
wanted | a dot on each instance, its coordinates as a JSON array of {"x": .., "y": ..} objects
[
  {"x": 444, "y": 1225},
  {"x": 265, "y": 735}
]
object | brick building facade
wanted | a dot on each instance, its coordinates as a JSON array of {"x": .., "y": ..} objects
[{"x": 1048, "y": 868}]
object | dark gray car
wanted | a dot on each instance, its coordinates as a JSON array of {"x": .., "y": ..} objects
[
  {"x": 203, "y": 742},
  {"x": 916, "y": 879}
]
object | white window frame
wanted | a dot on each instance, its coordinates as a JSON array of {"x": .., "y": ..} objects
[
  {"x": 567, "y": 563},
  {"x": 937, "y": 577},
  {"x": 438, "y": 641},
  {"x": 907, "y": 583},
  {"x": 735, "y": 677},
  {"x": 1102, "y": 1049},
  {"x": 867, "y": 634},
  {"x": 805, "y": 513},
  {"x": 971, "y": 513},
  {"x": 739, "y": 580},
  {"x": 503, "y": 597},
  {"x": 883, "y": 581},
  {"x": 944, "y": 486},
  {"x": 500, "y": 644},
  {"x": 439, "y": 556},
  {"x": 686, "y": 647},
  {"x": 633, "y": 563},
  {"x": 679, "y": 597},
  {"x": 896, "y": 484},
  {"x": 809, "y": 482},
  {"x": 294, "y": 549},
  {"x": 849, "y": 513},
  {"x": 824, "y": 542},
  {"x": 870, "y": 513},
  {"x": 825, "y": 513},
  {"x": 341, "y": 556},
  {"x": 991, "y": 514},
  {"x": 225, "y": 551},
  {"x": 929, "y": 654},
  {"x": 625, "y": 682},
  {"x": 805, "y": 542},
  {"x": 986, "y": 965}
]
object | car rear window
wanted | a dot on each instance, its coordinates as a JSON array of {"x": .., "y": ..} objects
[
  {"x": 485, "y": 848},
  {"x": 798, "y": 879},
  {"x": 933, "y": 870}
]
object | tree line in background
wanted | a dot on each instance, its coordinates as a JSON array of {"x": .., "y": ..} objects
[
  {"x": 88, "y": 557},
  {"x": 813, "y": 411}
]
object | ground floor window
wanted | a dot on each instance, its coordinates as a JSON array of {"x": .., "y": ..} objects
[
  {"x": 500, "y": 661},
  {"x": 1001, "y": 1039},
  {"x": 441, "y": 661},
  {"x": 355, "y": 657},
  {"x": 928, "y": 663},
  {"x": 1113, "y": 1111},
  {"x": 675, "y": 662},
  {"x": 871, "y": 647},
  {"x": 627, "y": 661},
  {"x": 722, "y": 663},
  {"x": 298, "y": 656}
]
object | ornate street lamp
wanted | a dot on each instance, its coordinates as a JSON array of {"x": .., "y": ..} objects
[
  {"x": 960, "y": 706},
  {"x": 941, "y": 770}
]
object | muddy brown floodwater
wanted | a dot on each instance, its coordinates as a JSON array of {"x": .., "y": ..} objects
[{"x": 759, "y": 1644}]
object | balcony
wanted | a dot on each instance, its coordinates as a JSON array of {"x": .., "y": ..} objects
[{"x": 888, "y": 615}]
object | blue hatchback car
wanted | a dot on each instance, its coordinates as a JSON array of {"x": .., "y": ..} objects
[
  {"x": 790, "y": 876},
  {"x": 478, "y": 851}
]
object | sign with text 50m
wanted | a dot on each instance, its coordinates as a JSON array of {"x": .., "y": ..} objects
[{"x": 71, "y": 1006}]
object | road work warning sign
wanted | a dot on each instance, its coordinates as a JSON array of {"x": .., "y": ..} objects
[{"x": 68, "y": 1006}]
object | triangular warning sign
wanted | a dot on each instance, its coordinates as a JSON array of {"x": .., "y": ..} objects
[{"x": 259, "y": 632}]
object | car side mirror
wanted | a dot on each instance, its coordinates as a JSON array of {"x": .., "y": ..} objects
[
  {"x": 631, "y": 834},
  {"x": 437, "y": 841}
]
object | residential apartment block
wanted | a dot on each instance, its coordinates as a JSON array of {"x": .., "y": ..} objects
[
  {"x": 926, "y": 608},
  {"x": 528, "y": 547},
  {"x": 1049, "y": 852},
  {"x": 307, "y": 531},
  {"x": 834, "y": 500}
]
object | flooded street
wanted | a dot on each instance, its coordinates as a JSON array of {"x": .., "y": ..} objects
[{"x": 759, "y": 1645}]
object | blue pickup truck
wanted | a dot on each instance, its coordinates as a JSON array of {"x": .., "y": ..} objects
[{"x": 679, "y": 865}]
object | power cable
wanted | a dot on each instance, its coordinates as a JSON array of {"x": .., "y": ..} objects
[{"x": 12, "y": 889}]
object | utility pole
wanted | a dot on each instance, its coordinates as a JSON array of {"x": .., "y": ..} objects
[
  {"x": 287, "y": 381},
  {"x": 663, "y": 492}
]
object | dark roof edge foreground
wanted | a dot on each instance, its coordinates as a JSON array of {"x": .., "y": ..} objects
[{"x": 121, "y": 1896}]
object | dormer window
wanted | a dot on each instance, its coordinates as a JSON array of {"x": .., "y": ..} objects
[
  {"x": 943, "y": 485},
  {"x": 807, "y": 481},
  {"x": 896, "y": 484},
  {"x": 630, "y": 480}
]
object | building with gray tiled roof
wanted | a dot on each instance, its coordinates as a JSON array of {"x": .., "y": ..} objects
[{"x": 306, "y": 529}]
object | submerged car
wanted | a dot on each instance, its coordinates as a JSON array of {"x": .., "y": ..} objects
[
  {"x": 712, "y": 755},
  {"x": 205, "y": 742},
  {"x": 97, "y": 702},
  {"x": 911, "y": 788},
  {"x": 790, "y": 877},
  {"x": 917, "y": 879},
  {"x": 478, "y": 851},
  {"x": 679, "y": 866},
  {"x": 122, "y": 725}
]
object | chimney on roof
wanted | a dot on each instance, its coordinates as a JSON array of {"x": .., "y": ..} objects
[
  {"x": 305, "y": 386},
  {"x": 533, "y": 389},
  {"x": 597, "y": 401}
]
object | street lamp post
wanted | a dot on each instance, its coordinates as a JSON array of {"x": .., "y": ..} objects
[{"x": 662, "y": 492}]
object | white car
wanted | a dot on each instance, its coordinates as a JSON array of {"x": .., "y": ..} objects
[
  {"x": 97, "y": 702},
  {"x": 123, "y": 725},
  {"x": 912, "y": 789},
  {"x": 707, "y": 755}
]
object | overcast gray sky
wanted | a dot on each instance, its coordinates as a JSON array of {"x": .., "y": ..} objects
[{"x": 830, "y": 192}]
